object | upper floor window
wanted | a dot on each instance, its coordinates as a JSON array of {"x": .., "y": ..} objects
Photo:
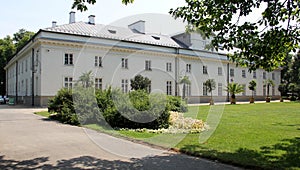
[
  {"x": 264, "y": 75},
  {"x": 273, "y": 76},
  {"x": 148, "y": 65},
  {"x": 220, "y": 71},
  {"x": 254, "y": 74},
  {"x": 231, "y": 72},
  {"x": 169, "y": 67},
  {"x": 188, "y": 68},
  {"x": 204, "y": 69},
  {"x": 244, "y": 73},
  {"x": 125, "y": 63},
  {"x": 98, "y": 61},
  {"x": 244, "y": 90},
  {"x": 68, "y": 59}
]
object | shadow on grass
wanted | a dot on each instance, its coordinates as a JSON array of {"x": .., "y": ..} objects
[
  {"x": 171, "y": 162},
  {"x": 283, "y": 155}
]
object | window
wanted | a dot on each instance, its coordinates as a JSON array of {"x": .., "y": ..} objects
[
  {"x": 125, "y": 63},
  {"x": 273, "y": 76},
  {"x": 264, "y": 75},
  {"x": 98, "y": 83},
  {"x": 68, "y": 82},
  {"x": 220, "y": 71},
  {"x": 264, "y": 90},
  {"x": 26, "y": 65},
  {"x": 26, "y": 86},
  {"x": 204, "y": 90},
  {"x": 254, "y": 74},
  {"x": 244, "y": 90},
  {"x": 188, "y": 68},
  {"x": 244, "y": 73},
  {"x": 98, "y": 61},
  {"x": 204, "y": 69},
  {"x": 231, "y": 72},
  {"x": 273, "y": 90},
  {"x": 220, "y": 89},
  {"x": 148, "y": 65},
  {"x": 169, "y": 87},
  {"x": 124, "y": 85},
  {"x": 254, "y": 92},
  {"x": 22, "y": 66},
  {"x": 68, "y": 59},
  {"x": 169, "y": 67},
  {"x": 188, "y": 90}
]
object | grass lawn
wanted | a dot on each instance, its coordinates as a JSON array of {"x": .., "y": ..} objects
[
  {"x": 44, "y": 114},
  {"x": 265, "y": 135}
]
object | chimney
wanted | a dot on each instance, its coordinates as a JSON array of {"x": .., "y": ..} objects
[
  {"x": 53, "y": 24},
  {"x": 92, "y": 19},
  {"x": 72, "y": 17},
  {"x": 138, "y": 26}
]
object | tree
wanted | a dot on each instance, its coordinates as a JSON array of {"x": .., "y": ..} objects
[
  {"x": 268, "y": 83},
  {"x": 185, "y": 80},
  {"x": 21, "y": 38},
  {"x": 252, "y": 87},
  {"x": 233, "y": 89},
  {"x": 210, "y": 86},
  {"x": 86, "y": 79},
  {"x": 140, "y": 83},
  {"x": 264, "y": 43},
  {"x": 81, "y": 5},
  {"x": 281, "y": 89}
]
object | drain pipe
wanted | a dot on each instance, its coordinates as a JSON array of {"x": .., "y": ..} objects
[{"x": 32, "y": 77}]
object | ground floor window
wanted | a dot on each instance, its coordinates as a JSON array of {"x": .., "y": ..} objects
[
  {"x": 68, "y": 82},
  {"x": 124, "y": 85},
  {"x": 98, "y": 83},
  {"x": 169, "y": 87},
  {"x": 220, "y": 89}
]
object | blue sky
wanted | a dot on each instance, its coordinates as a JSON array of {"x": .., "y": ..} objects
[{"x": 35, "y": 14}]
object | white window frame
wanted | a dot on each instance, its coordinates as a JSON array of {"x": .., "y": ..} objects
[
  {"x": 188, "y": 68},
  {"x": 204, "y": 70},
  {"x": 124, "y": 85},
  {"x": 125, "y": 63},
  {"x": 98, "y": 61},
  {"x": 220, "y": 71},
  {"x": 169, "y": 87},
  {"x": 68, "y": 82},
  {"x": 98, "y": 83},
  {"x": 68, "y": 59},
  {"x": 168, "y": 67},
  {"x": 148, "y": 65}
]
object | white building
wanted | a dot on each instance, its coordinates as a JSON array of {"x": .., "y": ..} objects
[{"x": 55, "y": 58}]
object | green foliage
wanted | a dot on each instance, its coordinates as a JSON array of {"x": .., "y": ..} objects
[
  {"x": 63, "y": 107},
  {"x": 140, "y": 83},
  {"x": 234, "y": 88},
  {"x": 86, "y": 80},
  {"x": 82, "y": 5},
  {"x": 268, "y": 83},
  {"x": 135, "y": 110},
  {"x": 176, "y": 104},
  {"x": 264, "y": 43},
  {"x": 210, "y": 85},
  {"x": 184, "y": 80},
  {"x": 252, "y": 86}
]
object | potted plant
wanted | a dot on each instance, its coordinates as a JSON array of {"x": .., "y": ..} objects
[
  {"x": 233, "y": 89},
  {"x": 185, "y": 80},
  {"x": 268, "y": 83},
  {"x": 252, "y": 87},
  {"x": 210, "y": 85}
]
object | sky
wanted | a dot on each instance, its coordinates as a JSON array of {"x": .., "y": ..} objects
[{"x": 33, "y": 15}]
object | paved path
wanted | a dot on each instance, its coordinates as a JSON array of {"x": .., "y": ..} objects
[{"x": 28, "y": 141}]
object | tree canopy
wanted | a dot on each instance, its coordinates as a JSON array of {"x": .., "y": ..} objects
[{"x": 262, "y": 43}]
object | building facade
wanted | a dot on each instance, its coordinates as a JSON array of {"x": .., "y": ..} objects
[{"x": 57, "y": 56}]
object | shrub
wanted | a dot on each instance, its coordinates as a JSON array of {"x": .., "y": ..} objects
[
  {"x": 132, "y": 110},
  {"x": 176, "y": 104},
  {"x": 63, "y": 107}
]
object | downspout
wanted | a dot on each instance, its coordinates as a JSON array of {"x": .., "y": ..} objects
[
  {"x": 32, "y": 77},
  {"x": 17, "y": 70},
  {"x": 176, "y": 72},
  {"x": 228, "y": 78}
]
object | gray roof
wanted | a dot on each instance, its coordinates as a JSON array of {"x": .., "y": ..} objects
[{"x": 113, "y": 32}]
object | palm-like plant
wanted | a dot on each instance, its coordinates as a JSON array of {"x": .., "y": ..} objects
[
  {"x": 185, "y": 80},
  {"x": 233, "y": 89},
  {"x": 86, "y": 79},
  {"x": 252, "y": 87},
  {"x": 269, "y": 83},
  {"x": 210, "y": 86}
]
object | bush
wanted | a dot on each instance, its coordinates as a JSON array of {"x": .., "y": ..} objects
[
  {"x": 63, "y": 107},
  {"x": 176, "y": 104},
  {"x": 132, "y": 110}
]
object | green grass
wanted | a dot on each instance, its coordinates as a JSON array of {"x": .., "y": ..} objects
[{"x": 43, "y": 113}]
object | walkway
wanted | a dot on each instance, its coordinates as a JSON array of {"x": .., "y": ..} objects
[{"x": 30, "y": 141}]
